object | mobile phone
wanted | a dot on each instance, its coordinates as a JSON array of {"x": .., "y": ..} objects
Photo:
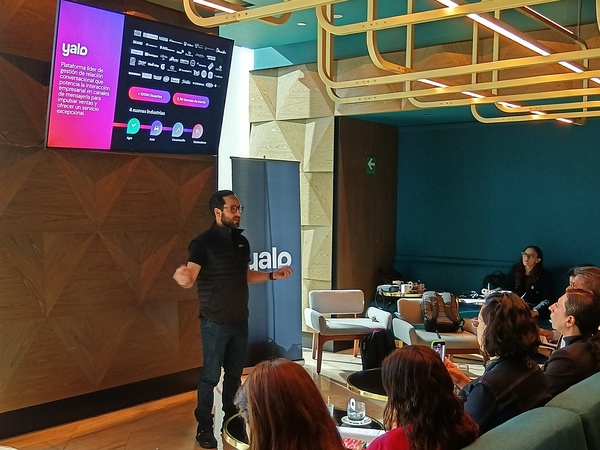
[{"x": 439, "y": 346}]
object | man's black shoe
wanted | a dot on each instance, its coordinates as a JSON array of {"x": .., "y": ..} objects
[{"x": 206, "y": 439}]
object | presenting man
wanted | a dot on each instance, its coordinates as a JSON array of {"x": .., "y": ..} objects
[{"x": 218, "y": 261}]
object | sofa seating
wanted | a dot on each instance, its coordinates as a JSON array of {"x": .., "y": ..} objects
[
  {"x": 570, "y": 421},
  {"x": 584, "y": 400},
  {"x": 538, "y": 429}
]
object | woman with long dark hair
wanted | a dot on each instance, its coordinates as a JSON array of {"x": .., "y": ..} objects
[
  {"x": 284, "y": 409},
  {"x": 530, "y": 281},
  {"x": 512, "y": 382},
  {"x": 422, "y": 412}
]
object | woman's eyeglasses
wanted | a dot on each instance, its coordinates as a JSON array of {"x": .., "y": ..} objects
[{"x": 528, "y": 255}]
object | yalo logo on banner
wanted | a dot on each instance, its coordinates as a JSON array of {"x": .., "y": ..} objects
[{"x": 270, "y": 260}]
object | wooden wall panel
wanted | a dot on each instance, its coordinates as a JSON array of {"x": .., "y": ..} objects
[
  {"x": 88, "y": 241},
  {"x": 365, "y": 213},
  {"x": 303, "y": 131},
  {"x": 87, "y": 291}
]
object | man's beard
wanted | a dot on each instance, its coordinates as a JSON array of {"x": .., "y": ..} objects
[{"x": 230, "y": 223}]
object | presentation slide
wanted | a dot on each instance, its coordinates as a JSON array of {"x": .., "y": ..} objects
[{"x": 129, "y": 84}]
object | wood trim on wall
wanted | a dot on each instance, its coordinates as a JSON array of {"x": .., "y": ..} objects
[{"x": 364, "y": 204}]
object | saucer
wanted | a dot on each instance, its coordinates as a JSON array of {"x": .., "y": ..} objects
[{"x": 365, "y": 421}]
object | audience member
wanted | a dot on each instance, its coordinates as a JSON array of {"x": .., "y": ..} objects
[
  {"x": 571, "y": 271},
  {"x": 512, "y": 383},
  {"x": 586, "y": 278},
  {"x": 422, "y": 412},
  {"x": 577, "y": 316},
  {"x": 284, "y": 409},
  {"x": 529, "y": 280}
]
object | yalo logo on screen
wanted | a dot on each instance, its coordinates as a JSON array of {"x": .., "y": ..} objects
[{"x": 74, "y": 49}]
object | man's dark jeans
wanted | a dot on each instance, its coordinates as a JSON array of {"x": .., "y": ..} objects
[{"x": 223, "y": 345}]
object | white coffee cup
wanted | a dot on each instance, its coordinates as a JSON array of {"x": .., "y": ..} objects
[
  {"x": 406, "y": 287},
  {"x": 357, "y": 411}
]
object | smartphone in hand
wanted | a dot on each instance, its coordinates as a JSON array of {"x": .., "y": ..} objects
[{"x": 439, "y": 345}]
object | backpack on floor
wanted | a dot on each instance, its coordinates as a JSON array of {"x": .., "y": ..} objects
[
  {"x": 440, "y": 312},
  {"x": 374, "y": 347}
]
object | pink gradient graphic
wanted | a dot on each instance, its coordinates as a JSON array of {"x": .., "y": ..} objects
[
  {"x": 193, "y": 101},
  {"x": 149, "y": 95},
  {"x": 85, "y": 77}
]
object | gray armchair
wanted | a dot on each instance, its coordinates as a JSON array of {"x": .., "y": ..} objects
[
  {"x": 353, "y": 324},
  {"x": 409, "y": 329}
]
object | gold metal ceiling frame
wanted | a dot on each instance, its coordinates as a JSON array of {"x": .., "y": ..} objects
[
  {"x": 520, "y": 98},
  {"x": 573, "y": 110},
  {"x": 275, "y": 14}
]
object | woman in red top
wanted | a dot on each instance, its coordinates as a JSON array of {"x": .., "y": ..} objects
[{"x": 422, "y": 412}]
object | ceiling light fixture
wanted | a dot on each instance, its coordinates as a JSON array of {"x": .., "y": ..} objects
[
  {"x": 432, "y": 83},
  {"x": 515, "y": 36},
  {"x": 214, "y": 5},
  {"x": 472, "y": 94}
]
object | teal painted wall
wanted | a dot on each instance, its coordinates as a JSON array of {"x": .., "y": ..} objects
[{"x": 472, "y": 196}]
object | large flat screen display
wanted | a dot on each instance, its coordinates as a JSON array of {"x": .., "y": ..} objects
[{"x": 124, "y": 83}]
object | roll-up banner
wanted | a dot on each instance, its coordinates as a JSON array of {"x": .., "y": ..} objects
[{"x": 270, "y": 193}]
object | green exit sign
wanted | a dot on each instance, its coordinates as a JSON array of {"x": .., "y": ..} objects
[{"x": 371, "y": 165}]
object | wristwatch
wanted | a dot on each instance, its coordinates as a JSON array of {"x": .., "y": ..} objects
[{"x": 272, "y": 276}]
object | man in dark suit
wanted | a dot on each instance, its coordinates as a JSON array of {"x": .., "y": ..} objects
[{"x": 577, "y": 316}]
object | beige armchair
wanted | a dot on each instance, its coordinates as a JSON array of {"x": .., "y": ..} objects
[
  {"x": 409, "y": 329},
  {"x": 353, "y": 324}
]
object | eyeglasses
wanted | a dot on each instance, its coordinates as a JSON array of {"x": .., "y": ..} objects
[
  {"x": 234, "y": 208},
  {"x": 527, "y": 255}
]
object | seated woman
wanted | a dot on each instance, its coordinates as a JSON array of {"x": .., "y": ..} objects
[
  {"x": 512, "y": 383},
  {"x": 422, "y": 411},
  {"x": 284, "y": 410},
  {"x": 577, "y": 317},
  {"x": 529, "y": 280}
]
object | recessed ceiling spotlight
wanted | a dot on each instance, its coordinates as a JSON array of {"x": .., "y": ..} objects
[{"x": 301, "y": 24}]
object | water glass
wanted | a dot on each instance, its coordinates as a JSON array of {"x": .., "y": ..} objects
[{"x": 356, "y": 410}]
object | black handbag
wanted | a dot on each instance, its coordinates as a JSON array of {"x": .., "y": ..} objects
[{"x": 494, "y": 280}]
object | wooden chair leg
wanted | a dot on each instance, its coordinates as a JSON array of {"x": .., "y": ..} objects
[
  {"x": 320, "y": 343},
  {"x": 355, "y": 351},
  {"x": 314, "y": 345}
]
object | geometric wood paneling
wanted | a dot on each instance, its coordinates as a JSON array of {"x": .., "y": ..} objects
[
  {"x": 301, "y": 94},
  {"x": 262, "y": 95},
  {"x": 318, "y": 144},
  {"x": 88, "y": 245},
  {"x": 88, "y": 240},
  {"x": 303, "y": 130},
  {"x": 316, "y": 253},
  {"x": 292, "y": 119},
  {"x": 316, "y": 199}
]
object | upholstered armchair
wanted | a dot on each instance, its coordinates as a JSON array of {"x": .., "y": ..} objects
[
  {"x": 338, "y": 315},
  {"x": 408, "y": 327}
]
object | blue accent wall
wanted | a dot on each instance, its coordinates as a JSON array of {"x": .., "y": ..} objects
[{"x": 472, "y": 196}]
